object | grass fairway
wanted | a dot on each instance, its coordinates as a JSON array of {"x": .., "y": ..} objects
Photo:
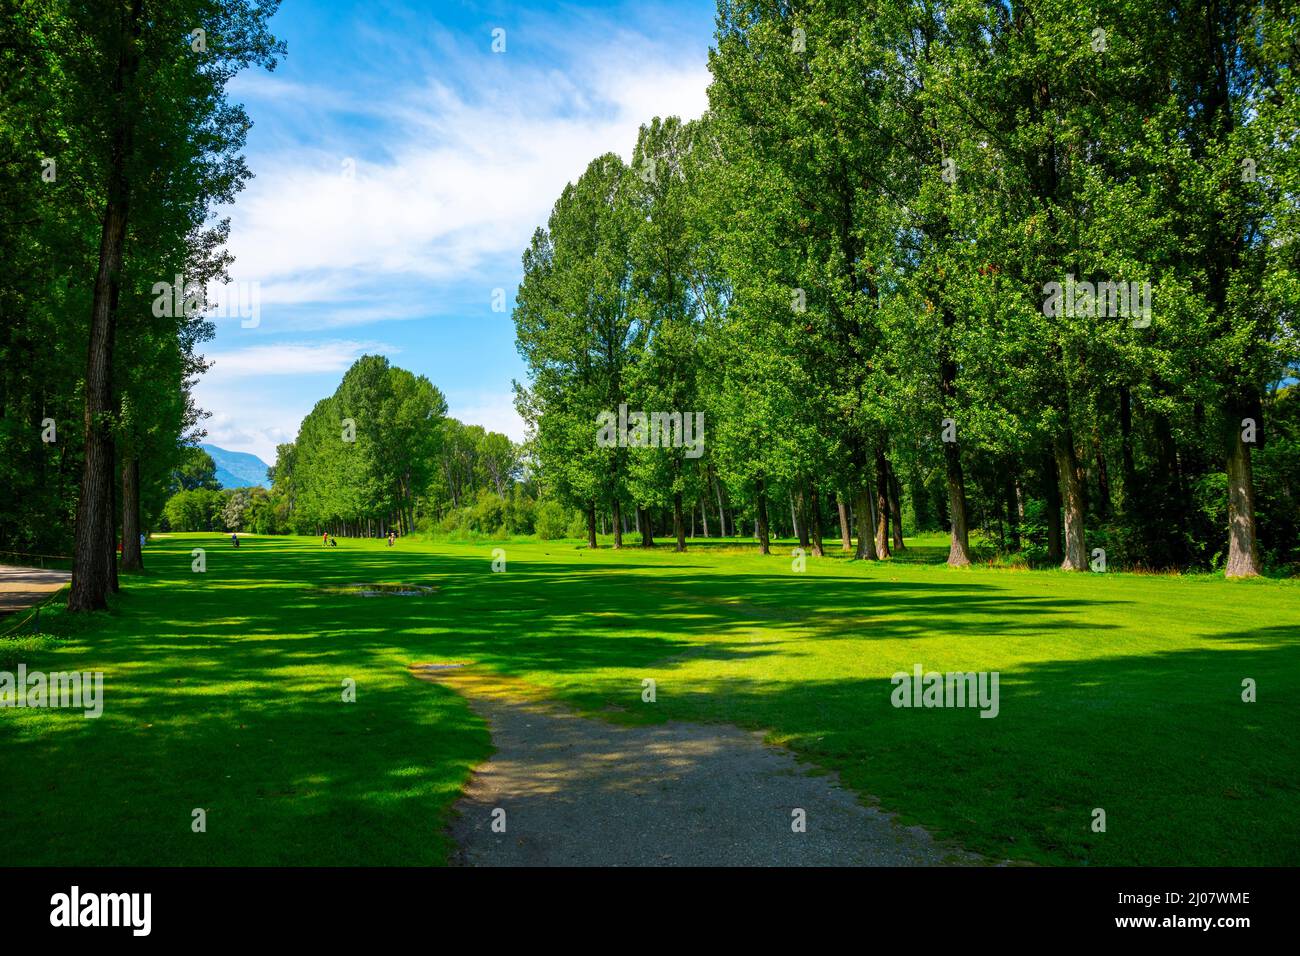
[{"x": 223, "y": 691}]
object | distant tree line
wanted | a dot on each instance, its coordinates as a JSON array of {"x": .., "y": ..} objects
[
  {"x": 1025, "y": 271},
  {"x": 379, "y": 454}
]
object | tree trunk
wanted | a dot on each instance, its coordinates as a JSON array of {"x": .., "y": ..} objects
[
  {"x": 764, "y": 537},
  {"x": 896, "y": 508},
  {"x": 132, "y": 559},
  {"x": 704, "y": 515},
  {"x": 647, "y": 530},
  {"x": 815, "y": 521},
  {"x": 882, "y": 503},
  {"x": 800, "y": 515},
  {"x": 1243, "y": 549},
  {"x": 679, "y": 525},
  {"x": 591, "y": 524},
  {"x": 616, "y": 507},
  {"x": 722, "y": 514},
  {"x": 959, "y": 549},
  {"x": 846, "y": 539},
  {"x": 866, "y": 517},
  {"x": 1067, "y": 466}
]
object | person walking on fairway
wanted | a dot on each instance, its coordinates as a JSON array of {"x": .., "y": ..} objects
[
  {"x": 392, "y": 537},
  {"x": 325, "y": 540},
  {"x": 234, "y": 538}
]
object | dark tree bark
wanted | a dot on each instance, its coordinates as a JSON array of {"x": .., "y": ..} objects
[
  {"x": 846, "y": 538},
  {"x": 1067, "y": 465},
  {"x": 591, "y": 525},
  {"x": 764, "y": 536},
  {"x": 616, "y": 508},
  {"x": 132, "y": 559},
  {"x": 679, "y": 525},
  {"x": 865, "y": 513},
  {"x": 815, "y": 522},
  {"x": 959, "y": 549},
  {"x": 647, "y": 529},
  {"x": 882, "y": 503},
  {"x": 896, "y": 508},
  {"x": 704, "y": 515}
]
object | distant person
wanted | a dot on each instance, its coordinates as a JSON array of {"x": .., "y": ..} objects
[
  {"x": 392, "y": 537},
  {"x": 325, "y": 540},
  {"x": 142, "y": 539},
  {"x": 234, "y": 539}
]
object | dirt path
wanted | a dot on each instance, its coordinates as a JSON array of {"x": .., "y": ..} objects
[
  {"x": 24, "y": 587},
  {"x": 578, "y": 791}
]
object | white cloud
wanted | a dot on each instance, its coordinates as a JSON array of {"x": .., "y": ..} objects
[
  {"x": 462, "y": 179},
  {"x": 301, "y": 358}
]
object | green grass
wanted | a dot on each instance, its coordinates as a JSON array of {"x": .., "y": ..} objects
[{"x": 223, "y": 691}]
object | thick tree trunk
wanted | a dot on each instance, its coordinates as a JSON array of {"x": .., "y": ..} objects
[
  {"x": 616, "y": 508},
  {"x": 1243, "y": 549},
  {"x": 591, "y": 525},
  {"x": 959, "y": 549},
  {"x": 815, "y": 522},
  {"x": 132, "y": 559},
  {"x": 866, "y": 517},
  {"x": 846, "y": 538},
  {"x": 764, "y": 536},
  {"x": 93, "y": 534},
  {"x": 1067, "y": 466},
  {"x": 882, "y": 503}
]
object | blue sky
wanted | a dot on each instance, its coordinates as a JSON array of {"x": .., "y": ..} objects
[{"x": 401, "y": 166}]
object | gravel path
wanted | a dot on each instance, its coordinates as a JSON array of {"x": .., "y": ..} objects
[
  {"x": 24, "y": 587},
  {"x": 578, "y": 791}
]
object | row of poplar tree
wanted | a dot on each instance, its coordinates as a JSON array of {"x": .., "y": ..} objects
[
  {"x": 845, "y": 265},
  {"x": 117, "y": 147}
]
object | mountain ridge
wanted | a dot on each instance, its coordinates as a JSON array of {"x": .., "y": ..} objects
[{"x": 237, "y": 469}]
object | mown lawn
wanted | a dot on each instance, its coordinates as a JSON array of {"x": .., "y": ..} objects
[{"x": 223, "y": 691}]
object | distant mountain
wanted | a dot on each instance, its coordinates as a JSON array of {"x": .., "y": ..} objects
[{"x": 238, "y": 469}]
